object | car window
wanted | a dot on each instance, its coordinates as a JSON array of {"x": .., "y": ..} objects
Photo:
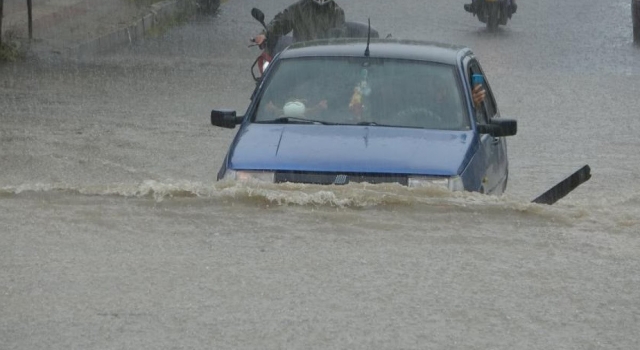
[
  {"x": 480, "y": 113},
  {"x": 349, "y": 90},
  {"x": 488, "y": 109},
  {"x": 490, "y": 104}
]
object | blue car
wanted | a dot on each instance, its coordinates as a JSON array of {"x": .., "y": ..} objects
[{"x": 382, "y": 111}]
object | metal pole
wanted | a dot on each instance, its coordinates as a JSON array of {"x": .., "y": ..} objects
[
  {"x": 30, "y": 13},
  {"x": 1, "y": 14},
  {"x": 635, "y": 16}
]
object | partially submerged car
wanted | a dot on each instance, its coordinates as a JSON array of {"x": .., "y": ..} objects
[{"x": 381, "y": 111}]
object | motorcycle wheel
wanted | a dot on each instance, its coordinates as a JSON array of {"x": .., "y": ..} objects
[
  {"x": 504, "y": 13},
  {"x": 208, "y": 6},
  {"x": 492, "y": 16}
]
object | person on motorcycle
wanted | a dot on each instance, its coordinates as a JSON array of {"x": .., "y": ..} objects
[
  {"x": 472, "y": 7},
  {"x": 307, "y": 19}
]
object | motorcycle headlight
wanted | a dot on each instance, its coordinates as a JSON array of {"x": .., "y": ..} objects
[
  {"x": 453, "y": 183},
  {"x": 265, "y": 65},
  {"x": 243, "y": 175}
]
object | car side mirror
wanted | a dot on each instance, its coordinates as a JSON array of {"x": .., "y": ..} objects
[
  {"x": 225, "y": 118},
  {"x": 499, "y": 127}
]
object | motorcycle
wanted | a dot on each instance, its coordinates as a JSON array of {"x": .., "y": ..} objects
[
  {"x": 274, "y": 44},
  {"x": 492, "y": 12}
]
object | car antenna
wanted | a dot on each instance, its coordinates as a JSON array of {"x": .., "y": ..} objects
[{"x": 366, "y": 51}]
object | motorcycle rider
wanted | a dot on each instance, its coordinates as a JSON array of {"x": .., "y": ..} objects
[
  {"x": 307, "y": 19},
  {"x": 473, "y": 6}
]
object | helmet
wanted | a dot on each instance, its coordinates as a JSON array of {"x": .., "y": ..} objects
[{"x": 322, "y": 2}]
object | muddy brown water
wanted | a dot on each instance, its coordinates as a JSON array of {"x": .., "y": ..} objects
[{"x": 115, "y": 234}]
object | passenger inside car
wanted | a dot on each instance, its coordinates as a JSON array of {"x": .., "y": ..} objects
[
  {"x": 399, "y": 93},
  {"x": 321, "y": 85}
]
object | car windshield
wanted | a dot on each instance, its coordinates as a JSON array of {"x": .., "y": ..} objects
[{"x": 362, "y": 91}]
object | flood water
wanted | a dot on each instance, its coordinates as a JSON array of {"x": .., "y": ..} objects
[{"x": 114, "y": 233}]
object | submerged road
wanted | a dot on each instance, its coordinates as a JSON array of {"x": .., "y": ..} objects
[{"x": 115, "y": 235}]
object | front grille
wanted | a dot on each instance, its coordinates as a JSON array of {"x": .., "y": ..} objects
[{"x": 338, "y": 178}]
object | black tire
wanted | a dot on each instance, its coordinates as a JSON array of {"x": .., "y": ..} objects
[
  {"x": 208, "y": 7},
  {"x": 359, "y": 30},
  {"x": 505, "y": 13},
  {"x": 493, "y": 16}
]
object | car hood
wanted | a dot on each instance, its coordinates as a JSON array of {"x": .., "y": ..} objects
[{"x": 353, "y": 149}]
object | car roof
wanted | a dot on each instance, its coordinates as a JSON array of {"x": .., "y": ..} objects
[{"x": 379, "y": 48}]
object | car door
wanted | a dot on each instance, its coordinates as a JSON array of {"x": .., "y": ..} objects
[{"x": 494, "y": 148}]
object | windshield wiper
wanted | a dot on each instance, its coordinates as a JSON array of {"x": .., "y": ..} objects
[
  {"x": 372, "y": 124},
  {"x": 287, "y": 120}
]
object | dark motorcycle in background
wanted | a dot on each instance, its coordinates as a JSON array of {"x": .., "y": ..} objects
[
  {"x": 274, "y": 44},
  {"x": 492, "y": 12}
]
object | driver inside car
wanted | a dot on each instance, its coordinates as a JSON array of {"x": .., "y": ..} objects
[
  {"x": 445, "y": 104},
  {"x": 429, "y": 101},
  {"x": 307, "y": 19}
]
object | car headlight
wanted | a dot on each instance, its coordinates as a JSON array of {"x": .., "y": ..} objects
[
  {"x": 243, "y": 175},
  {"x": 453, "y": 183}
]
